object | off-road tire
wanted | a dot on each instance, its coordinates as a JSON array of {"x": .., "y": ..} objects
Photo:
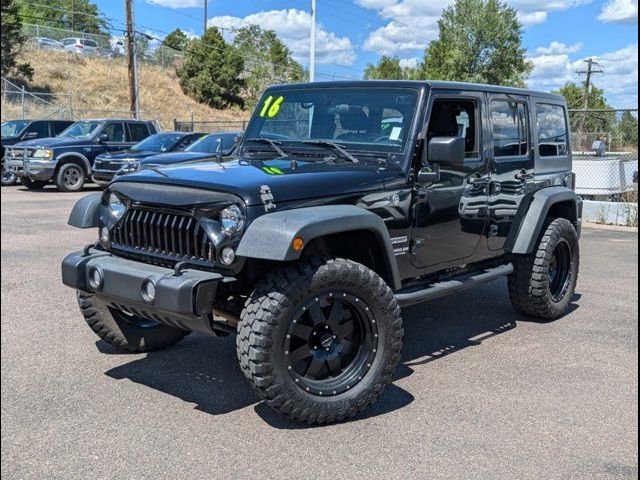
[
  {"x": 70, "y": 177},
  {"x": 530, "y": 285},
  {"x": 33, "y": 184},
  {"x": 115, "y": 330},
  {"x": 268, "y": 313}
]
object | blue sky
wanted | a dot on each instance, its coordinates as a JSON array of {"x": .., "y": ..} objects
[{"x": 559, "y": 34}]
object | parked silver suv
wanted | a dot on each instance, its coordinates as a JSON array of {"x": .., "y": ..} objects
[{"x": 81, "y": 46}]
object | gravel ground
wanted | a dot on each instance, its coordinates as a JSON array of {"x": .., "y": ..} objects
[{"x": 481, "y": 391}]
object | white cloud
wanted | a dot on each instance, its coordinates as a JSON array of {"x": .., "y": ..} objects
[
  {"x": 293, "y": 27},
  {"x": 412, "y": 62},
  {"x": 412, "y": 24},
  {"x": 558, "y": 48},
  {"x": 619, "y": 80},
  {"x": 176, "y": 3},
  {"x": 620, "y": 11}
]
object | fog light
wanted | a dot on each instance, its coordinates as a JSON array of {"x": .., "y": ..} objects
[
  {"x": 104, "y": 235},
  {"x": 95, "y": 279},
  {"x": 148, "y": 291},
  {"x": 228, "y": 256}
]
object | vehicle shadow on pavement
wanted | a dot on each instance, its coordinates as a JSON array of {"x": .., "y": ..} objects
[{"x": 205, "y": 371}]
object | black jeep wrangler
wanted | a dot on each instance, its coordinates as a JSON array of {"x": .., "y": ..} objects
[
  {"x": 344, "y": 203},
  {"x": 68, "y": 158}
]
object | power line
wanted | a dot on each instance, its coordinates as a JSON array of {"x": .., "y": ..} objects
[{"x": 587, "y": 84}]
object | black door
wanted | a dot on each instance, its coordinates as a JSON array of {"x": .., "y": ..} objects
[
  {"x": 450, "y": 216},
  {"x": 512, "y": 164}
]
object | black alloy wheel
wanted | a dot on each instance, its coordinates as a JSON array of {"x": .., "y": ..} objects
[
  {"x": 331, "y": 343},
  {"x": 560, "y": 271}
]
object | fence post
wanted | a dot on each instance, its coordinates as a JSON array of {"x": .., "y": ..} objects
[
  {"x": 22, "y": 101},
  {"x": 70, "y": 106}
]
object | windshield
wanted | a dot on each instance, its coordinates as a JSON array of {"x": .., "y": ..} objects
[
  {"x": 13, "y": 129},
  {"x": 208, "y": 144},
  {"x": 160, "y": 142},
  {"x": 81, "y": 130},
  {"x": 362, "y": 118}
]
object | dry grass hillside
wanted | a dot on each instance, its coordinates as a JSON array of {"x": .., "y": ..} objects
[{"x": 100, "y": 85}]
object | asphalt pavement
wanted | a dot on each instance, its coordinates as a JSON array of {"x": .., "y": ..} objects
[{"x": 481, "y": 392}]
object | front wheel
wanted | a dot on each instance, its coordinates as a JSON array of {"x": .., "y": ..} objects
[
  {"x": 125, "y": 331},
  {"x": 319, "y": 341},
  {"x": 70, "y": 178},
  {"x": 8, "y": 177},
  {"x": 543, "y": 283}
]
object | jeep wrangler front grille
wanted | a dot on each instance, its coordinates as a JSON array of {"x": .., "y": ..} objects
[{"x": 167, "y": 237}]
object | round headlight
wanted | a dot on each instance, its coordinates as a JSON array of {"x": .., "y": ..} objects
[
  {"x": 116, "y": 207},
  {"x": 232, "y": 219}
]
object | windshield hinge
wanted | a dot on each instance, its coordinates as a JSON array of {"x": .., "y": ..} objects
[{"x": 267, "y": 198}]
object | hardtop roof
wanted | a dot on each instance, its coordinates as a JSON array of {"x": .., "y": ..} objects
[{"x": 432, "y": 84}]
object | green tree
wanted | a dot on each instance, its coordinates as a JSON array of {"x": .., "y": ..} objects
[
  {"x": 210, "y": 71},
  {"x": 587, "y": 122},
  {"x": 267, "y": 61},
  {"x": 628, "y": 129},
  {"x": 12, "y": 41},
  {"x": 171, "y": 48},
  {"x": 387, "y": 68},
  {"x": 479, "y": 41},
  {"x": 177, "y": 40},
  {"x": 78, "y": 15}
]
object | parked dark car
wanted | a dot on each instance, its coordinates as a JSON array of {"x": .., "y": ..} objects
[
  {"x": 107, "y": 164},
  {"x": 68, "y": 158},
  {"x": 308, "y": 246},
  {"x": 14, "y": 131},
  {"x": 219, "y": 144}
]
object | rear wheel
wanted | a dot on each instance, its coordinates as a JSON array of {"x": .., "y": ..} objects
[
  {"x": 70, "y": 178},
  {"x": 125, "y": 331},
  {"x": 543, "y": 283},
  {"x": 320, "y": 341},
  {"x": 33, "y": 184}
]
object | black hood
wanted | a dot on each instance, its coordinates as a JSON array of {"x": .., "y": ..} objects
[{"x": 245, "y": 178}]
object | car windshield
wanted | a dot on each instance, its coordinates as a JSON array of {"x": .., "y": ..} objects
[
  {"x": 208, "y": 144},
  {"x": 13, "y": 128},
  {"x": 356, "y": 118},
  {"x": 81, "y": 130},
  {"x": 160, "y": 142}
]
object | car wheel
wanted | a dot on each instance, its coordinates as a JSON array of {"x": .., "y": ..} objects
[
  {"x": 319, "y": 341},
  {"x": 543, "y": 283},
  {"x": 8, "y": 178},
  {"x": 70, "y": 178}
]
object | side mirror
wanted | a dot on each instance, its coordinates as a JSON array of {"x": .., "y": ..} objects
[
  {"x": 30, "y": 135},
  {"x": 445, "y": 151},
  {"x": 103, "y": 137}
]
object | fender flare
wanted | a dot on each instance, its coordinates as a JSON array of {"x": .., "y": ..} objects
[
  {"x": 85, "y": 160},
  {"x": 269, "y": 237},
  {"x": 86, "y": 211},
  {"x": 533, "y": 218}
]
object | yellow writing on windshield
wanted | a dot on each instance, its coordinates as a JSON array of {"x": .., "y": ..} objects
[{"x": 271, "y": 107}]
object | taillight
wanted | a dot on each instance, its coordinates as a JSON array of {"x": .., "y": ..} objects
[{"x": 79, "y": 45}]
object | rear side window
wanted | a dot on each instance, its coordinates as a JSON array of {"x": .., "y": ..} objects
[
  {"x": 138, "y": 131},
  {"x": 89, "y": 43},
  {"x": 510, "y": 128},
  {"x": 553, "y": 135}
]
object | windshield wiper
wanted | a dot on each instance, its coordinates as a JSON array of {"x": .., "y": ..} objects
[
  {"x": 272, "y": 143},
  {"x": 334, "y": 146}
]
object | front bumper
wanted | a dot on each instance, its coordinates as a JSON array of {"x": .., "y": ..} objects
[
  {"x": 103, "y": 176},
  {"x": 34, "y": 168},
  {"x": 184, "y": 300}
]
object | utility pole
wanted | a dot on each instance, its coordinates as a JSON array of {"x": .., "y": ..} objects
[
  {"x": 312, "y": 53},
  {"x": 205, "y": 17},
  {"x": 587, "y": 84},
  {"x": 133, "y": 61}
]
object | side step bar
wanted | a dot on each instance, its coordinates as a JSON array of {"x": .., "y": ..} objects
[{"x": 452, "y": 286}]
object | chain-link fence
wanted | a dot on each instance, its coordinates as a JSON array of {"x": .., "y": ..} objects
[
  {"x": 605, "y": 161},
  {"x": 209, "y": 126},
  {"x": 47, "y": 38},
  {"x": 18, "y": 103}
]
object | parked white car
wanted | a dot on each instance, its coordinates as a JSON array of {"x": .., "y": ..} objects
[{"x": 81, "y": 46}]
